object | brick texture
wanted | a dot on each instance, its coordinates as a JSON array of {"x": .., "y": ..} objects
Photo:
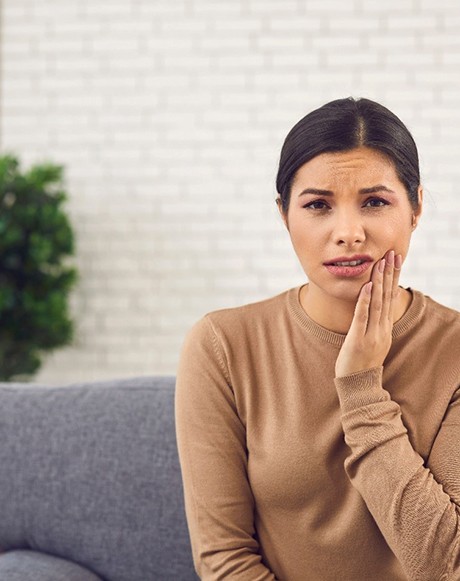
[{"x": 169, "y": 117}]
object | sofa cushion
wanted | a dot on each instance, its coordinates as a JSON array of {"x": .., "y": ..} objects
[
  {"x": 89, "y": 472},
  {"x": 25, "y": 565}
]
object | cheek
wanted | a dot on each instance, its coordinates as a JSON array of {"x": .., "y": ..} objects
[
  {"x": 394, "y": 234},
  {"x": 302, "y": 238},
  {"x": 403, "y": 247},
  {"x": 398, "y": 229}
]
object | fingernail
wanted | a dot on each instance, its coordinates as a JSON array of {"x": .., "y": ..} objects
[
  {"x": 391, "y": 258},
  {"x": 382, "y": 265},
  {"x": 398, "y": 261}
]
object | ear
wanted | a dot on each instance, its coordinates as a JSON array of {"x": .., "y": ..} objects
[
  {"x": 283, "y": 216},
  {"x": 419, "y": 211}
]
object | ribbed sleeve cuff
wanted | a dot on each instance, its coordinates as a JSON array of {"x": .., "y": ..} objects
[{"x": 361, "y": 388}]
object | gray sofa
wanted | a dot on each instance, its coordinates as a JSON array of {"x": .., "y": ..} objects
[{"x": 90, "y": 483}]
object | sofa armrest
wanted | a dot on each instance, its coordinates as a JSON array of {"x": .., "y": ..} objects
[{"x": 24, "y": 565}]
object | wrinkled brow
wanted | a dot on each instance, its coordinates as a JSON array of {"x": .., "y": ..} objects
[{"x": 372, "y": 190}]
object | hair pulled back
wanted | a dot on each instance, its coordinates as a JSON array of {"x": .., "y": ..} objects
[{"x": 342, "y": 125}]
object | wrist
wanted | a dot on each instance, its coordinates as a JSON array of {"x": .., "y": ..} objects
[{"x": 361, "y": 388}]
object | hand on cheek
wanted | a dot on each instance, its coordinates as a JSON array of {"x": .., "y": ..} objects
[{"x": 369, "y": 338}]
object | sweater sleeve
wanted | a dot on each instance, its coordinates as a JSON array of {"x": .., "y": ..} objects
[
  {"x": 212, "y": 450},
  {"x": 417, "y": 508}
]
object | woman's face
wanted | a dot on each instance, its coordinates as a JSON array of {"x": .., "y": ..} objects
[{"x": 347, "y": 222}]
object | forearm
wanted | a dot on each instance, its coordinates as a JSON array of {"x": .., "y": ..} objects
[
  {"x": 239, "y": 565},
  {"x": 418, "y": 519}
]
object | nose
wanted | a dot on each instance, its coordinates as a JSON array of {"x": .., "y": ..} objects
[{"x": 348, "y": 228}]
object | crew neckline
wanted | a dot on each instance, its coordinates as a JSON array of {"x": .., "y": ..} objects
[{"x": 401, "y": 326}]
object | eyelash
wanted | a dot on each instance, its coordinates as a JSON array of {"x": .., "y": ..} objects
[{"x": 310, "y": 204}]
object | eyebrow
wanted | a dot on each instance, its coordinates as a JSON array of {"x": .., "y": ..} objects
[{"x": 372, "y": 190}]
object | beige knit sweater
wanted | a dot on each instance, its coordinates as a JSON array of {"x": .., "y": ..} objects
[{"x": 292, "y": 474}]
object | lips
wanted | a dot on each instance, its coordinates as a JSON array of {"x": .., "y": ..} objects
[
  {"x": 361, "y": 257},
  {"x": 349, "y": 271}
]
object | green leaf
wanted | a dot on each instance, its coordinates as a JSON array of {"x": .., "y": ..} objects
[{"x": 36, "y": 238}]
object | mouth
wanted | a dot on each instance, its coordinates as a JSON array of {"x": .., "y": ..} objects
[
  {"x": 347, "y": 263},
  {"x": 349, "y": 269},
  {"x": 354, "y": 260}
]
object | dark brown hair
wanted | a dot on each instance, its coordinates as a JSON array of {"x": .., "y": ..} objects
[{"x": 342, "y": 125}]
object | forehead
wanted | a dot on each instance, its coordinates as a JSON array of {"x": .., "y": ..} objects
[{"x": 361, "y": 163}]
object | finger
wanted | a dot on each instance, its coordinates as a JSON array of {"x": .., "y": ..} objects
[
  {"x": 397, "y": 272},
  {"x": 388, "y": 288},
  {"x": 376, "y": 300},
  {"x": 361, "y": 316}
]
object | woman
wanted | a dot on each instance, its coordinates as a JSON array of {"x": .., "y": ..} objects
[{"x": 319, "y": 430}]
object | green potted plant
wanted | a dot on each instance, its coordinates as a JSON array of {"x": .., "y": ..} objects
[{"x": 35, "y": 239}]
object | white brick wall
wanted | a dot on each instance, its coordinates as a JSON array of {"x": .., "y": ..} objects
[{"x": 169, "y": 116}]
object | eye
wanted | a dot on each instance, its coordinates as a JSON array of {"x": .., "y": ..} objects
[
  {"x": 310, "y": 205},
  {"x": 384, "y": 202}
]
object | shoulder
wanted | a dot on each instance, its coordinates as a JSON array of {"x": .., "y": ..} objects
[
  {"x": 232, "y": 334},
  {"x": 442, "y": 316},
  {"x": 439, "y": 337},
  {"x": 249, "y": 316},
  {"x": 241, "y": 321}
]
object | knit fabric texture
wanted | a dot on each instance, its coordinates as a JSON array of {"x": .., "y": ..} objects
[{"x": 291, "y": 473}]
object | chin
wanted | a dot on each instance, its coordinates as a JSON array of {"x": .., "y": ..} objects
[
  {"x": 343, "y": 288},
  {"x": 347, "y": 290}
]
